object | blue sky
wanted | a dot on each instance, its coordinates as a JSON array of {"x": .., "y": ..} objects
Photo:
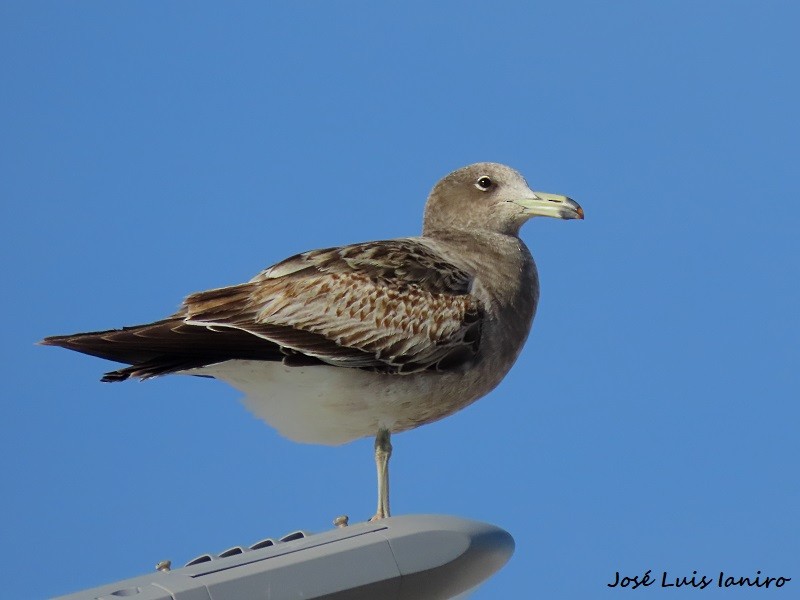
[{"x": 155, "y": 149}]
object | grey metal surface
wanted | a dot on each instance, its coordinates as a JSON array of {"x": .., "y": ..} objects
[{"x": 420, "y": 557}]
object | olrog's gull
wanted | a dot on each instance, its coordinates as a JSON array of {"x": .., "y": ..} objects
[{"x": 369, "y": 339}]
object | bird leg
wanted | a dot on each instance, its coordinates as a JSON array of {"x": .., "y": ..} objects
[{"x": 383, "y": 450}]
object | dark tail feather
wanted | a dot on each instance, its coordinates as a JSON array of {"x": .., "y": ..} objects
[
  {"x": 166, "y": 347},
  {"x": 153, "y": 368}
]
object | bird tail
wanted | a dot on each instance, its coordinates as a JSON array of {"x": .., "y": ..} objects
[
  {"x": 151, "y": 350},
  {"x": 167, "y": 346}
]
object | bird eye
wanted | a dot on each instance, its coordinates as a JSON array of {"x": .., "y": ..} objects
[{"x": 483, "y": 184}]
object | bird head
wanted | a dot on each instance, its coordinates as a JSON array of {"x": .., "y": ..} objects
[{"x": 491, "y": 196}]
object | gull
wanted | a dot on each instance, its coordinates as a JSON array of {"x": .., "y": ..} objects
[{"x": 367, "y": 339}]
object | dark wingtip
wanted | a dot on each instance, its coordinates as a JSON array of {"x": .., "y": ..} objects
[{"x": 62, "y": 341}]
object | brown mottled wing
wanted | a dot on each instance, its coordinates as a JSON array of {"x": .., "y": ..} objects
[{"x": 393, "y": 306}]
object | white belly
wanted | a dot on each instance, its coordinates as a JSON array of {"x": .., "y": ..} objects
[{"x": 332, "y": 405}]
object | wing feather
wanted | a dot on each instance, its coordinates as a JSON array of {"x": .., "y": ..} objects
[{"x": 394, "y": 306}]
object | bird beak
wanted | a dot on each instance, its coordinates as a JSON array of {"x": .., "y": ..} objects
[{"x": 542, "y": 204}]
